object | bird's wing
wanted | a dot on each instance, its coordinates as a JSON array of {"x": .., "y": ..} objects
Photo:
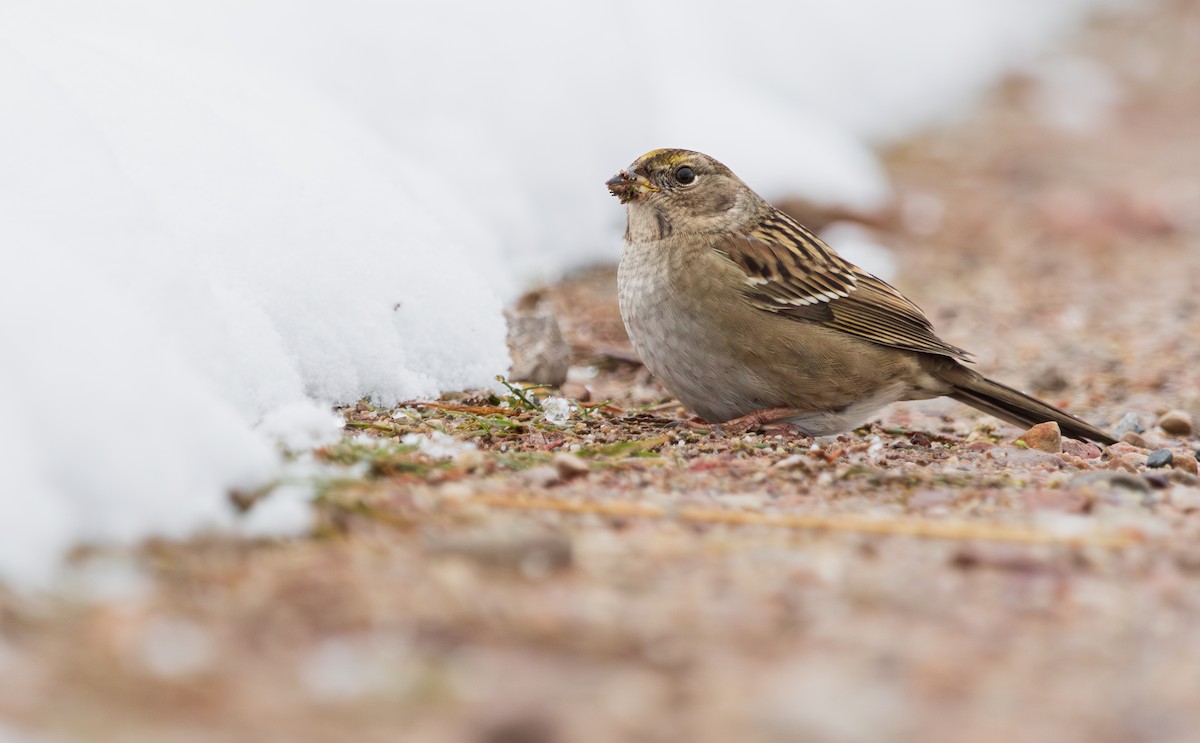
[{"x": 790, "y": 271}]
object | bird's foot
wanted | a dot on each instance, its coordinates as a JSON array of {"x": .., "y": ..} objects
[
  {"x": 768, "y": 420},
  {"x": 788, "y": 430}
]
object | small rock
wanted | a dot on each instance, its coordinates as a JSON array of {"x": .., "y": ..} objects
[
  {"x": 1135, "y": 439},
  {"x": 1012, "y": 456},
  {"x": 1122, "y": 447},
  {"x": 795, "y": 461},
  {"x": 1081, "y": 449},
  {"x": 1126, "y": 456},
  {"x": 1129, "y": 422},
  {"x": 569, "y": 466},
  {"x": 539, "y": 352},
  {"x": 1044, "y": 437},
  {"x": 1159, "y": 458},
  {"x": 980, "y": 445},
  {"x": 1176, "y": 423},
  {"x": 1187, "y": 463},
  {"x": 1128, "y": 464}
]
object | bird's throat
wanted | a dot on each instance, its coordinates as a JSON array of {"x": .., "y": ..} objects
[{"x": 646, "y": 224}]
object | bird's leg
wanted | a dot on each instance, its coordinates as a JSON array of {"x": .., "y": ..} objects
[{"x": 767, "y": 419}]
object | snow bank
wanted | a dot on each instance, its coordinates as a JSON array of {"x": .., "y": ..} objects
[{"x": 212, "y": 212}]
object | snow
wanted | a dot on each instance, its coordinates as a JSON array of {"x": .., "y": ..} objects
[
  {"x": 301, "y": 426},
  {"x": 556, "y": 410},
  {"x": 216, "y": 219},
  {"x": 438, "y": 445}
]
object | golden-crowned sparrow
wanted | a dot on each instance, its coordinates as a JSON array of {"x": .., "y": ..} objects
[{"x": 749, "y": 318}]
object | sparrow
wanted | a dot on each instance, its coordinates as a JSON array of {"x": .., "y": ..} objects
[{"x": 749, "y": 319}]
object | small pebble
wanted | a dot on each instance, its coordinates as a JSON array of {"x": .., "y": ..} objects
[
  {"x": 1044, "y": 437},
  {"x": 1159, "y": 458},
  {"x": 569, "y": 466},
  {"x": 1176, "y": 423},
  {"x": 1129, "y": 422},
  {"x": 537, "y": 347},
  {"x": 796, "y": 461},
  {"x": 1011, "y": 456},
  {"x": 1123, "y": 448},
  {"x": 1187, "y": 463},
  {"x": 1081, "y": 449},
  {"x": 1135, "y": 439}
]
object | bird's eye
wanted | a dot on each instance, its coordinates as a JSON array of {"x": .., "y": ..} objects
[{"x": 685, "y": 175}]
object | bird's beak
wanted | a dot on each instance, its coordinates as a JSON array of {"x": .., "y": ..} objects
[{"x": 627, "y": 186}]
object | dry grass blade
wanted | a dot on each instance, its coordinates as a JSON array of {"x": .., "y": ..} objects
[{"x": 473, "y": 409}]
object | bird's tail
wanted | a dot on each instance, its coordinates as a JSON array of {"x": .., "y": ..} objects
[{"x": 1014, "y": 406}]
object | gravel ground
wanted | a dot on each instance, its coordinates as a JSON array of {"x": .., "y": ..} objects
[{"x": 615, "y": 579}]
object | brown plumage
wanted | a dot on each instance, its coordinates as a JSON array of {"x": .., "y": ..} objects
[{"x": 744, "y": 314}]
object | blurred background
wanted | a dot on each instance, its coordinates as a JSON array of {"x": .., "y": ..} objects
[{"x": 219, "y": 220}]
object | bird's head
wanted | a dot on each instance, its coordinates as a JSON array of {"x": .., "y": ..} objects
[{"x": 680, "y": 191}]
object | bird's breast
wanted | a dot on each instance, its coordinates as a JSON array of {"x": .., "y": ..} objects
[{"x": 684, "y": 325}]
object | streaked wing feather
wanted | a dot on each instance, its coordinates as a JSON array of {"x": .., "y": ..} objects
[{"x": 790, "y": 271}]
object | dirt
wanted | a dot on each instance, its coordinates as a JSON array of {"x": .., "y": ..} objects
[{"x": 618, "y": 577}]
